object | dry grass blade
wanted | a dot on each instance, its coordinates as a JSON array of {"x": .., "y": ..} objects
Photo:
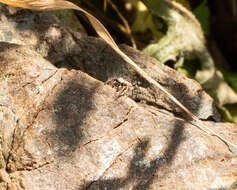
[
  {"x": 105, "y": 5},
  {"x": 125, "y": 23},
  {"x": 104, "y": 34}
]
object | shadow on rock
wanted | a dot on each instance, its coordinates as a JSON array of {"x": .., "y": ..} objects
[
  {"x": 71, "y": 107},
  {"x": 140, "y": 172},
  {"x": 144, "y": 175}
]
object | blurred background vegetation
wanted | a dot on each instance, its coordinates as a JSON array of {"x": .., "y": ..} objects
[{"x": 169, "y": 32}]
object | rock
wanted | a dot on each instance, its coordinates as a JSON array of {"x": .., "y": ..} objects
[{"x": 62, "y": 127}]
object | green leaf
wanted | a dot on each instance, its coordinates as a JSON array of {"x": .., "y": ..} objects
[
  {"x": 185, "y": 40},
  {"x": 144, "y": 21},
  {"x": 231, "y": 78},
  {"x": 203, "y": 15}
]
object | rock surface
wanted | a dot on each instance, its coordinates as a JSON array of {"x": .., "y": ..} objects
[{"x": 62, "y": 127}]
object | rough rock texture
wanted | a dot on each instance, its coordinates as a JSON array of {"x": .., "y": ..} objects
[{"x": 62, "y": 127}]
